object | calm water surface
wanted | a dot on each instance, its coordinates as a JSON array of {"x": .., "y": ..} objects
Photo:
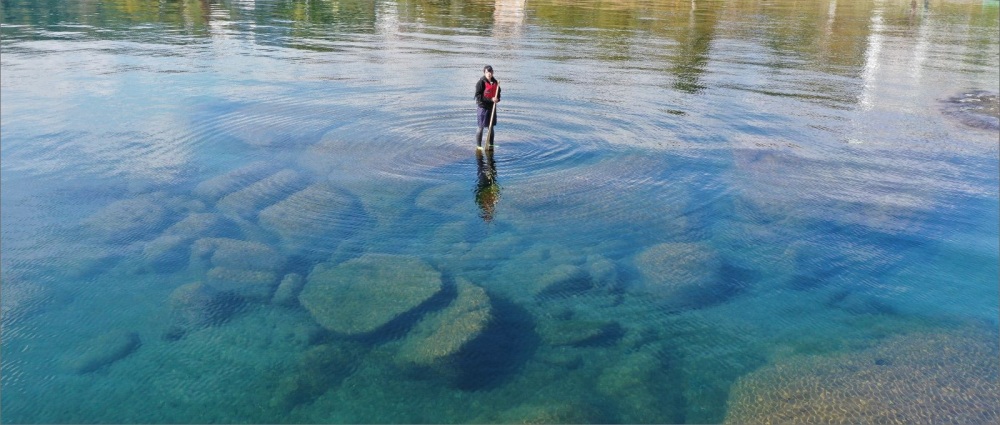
[{"x": 696, "y": 211}]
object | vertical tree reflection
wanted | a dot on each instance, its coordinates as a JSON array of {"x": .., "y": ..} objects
[
  {"x": 487, "y": 188},
  {"x": 695, "y": 44}
]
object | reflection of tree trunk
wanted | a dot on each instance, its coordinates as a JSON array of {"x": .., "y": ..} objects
[
  {"x": 695, "y": 44},
  {"x": 206, "y": 10},
  {"x": 508, "y": 17}
]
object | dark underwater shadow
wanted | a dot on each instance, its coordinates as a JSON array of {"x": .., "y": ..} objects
[{"x": 500, "y": 351}]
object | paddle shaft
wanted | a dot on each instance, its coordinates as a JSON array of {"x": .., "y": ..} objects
[{"x": 493, "y": 113}]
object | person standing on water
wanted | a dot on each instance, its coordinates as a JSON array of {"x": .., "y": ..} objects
[{"x": 487, "y": 96}]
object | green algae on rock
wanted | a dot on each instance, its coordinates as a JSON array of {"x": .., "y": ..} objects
[
  {"x": 361, "y": 295},
  {"x": 946, "y": 377},
  {"x": 443, "y": 334}
]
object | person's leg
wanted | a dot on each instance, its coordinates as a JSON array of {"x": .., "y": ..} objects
[
  {"x": 490, "y": 138},
  {"x": 481, "y": 122}
]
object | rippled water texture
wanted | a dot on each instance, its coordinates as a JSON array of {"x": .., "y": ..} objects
[{"x": 696, "y": 212}]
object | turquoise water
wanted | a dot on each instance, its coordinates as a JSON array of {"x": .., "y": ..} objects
[{"x": 273, "y": 211}]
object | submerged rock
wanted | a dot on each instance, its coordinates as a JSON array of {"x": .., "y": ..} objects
[
  {"x": 288, "y": 290},
  {"x": 132, "y": 219},
  {"x": 203, "y": 225},
  {"x": 979, "y": 109},
  {"x": 603, "y": 272},
  {"x": 680, "y": 274},
  {"x": 238, "y": 254},
  {"x": 245, "y": 268},
  {"x": 247, "y": 202},
  {"x": 172, "y": 250},
  {"x": 196, "y": 305},
  {"x": 362, "y": 295},
  {"x": 312, "y": 220},
  {"x": 216, "y": 187},
  {"x": 167, "y": 253},
  {"x": 549, "y": 413},
  {"x": 948, "y": 377},
  {"x": 440, "y": 336},
  {"x": 250, "y": 284},
  {"x": 102, "y": 351},
  {"x": 563, "y": 280}
]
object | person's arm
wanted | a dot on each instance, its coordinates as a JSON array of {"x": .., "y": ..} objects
[{"x": 480, "y": 88}]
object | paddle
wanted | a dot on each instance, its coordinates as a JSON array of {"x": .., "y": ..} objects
[{"x": 493, "y": 113}]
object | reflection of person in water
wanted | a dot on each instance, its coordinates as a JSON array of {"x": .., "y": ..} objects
[{"x": 487, "y": 188}]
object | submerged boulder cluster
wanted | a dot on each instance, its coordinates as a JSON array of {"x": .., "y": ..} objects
[
  {"x": 237, "y": 235},
  {"x": 248, "y": 269},
  {"x": 948, "y": 377}
]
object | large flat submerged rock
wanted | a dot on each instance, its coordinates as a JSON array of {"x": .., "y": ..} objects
[{"x": 361, "y": 295}]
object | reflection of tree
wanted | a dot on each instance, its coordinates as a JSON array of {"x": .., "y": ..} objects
[
  {"x": 447, "y": 14},
  {"x": 831, "y": 35},
  {"x": 508, "y": 17},
  {"x": 189, "y": 15},
  {"x": 487, "y": 188},
  {"x": 695, "y": 42}
]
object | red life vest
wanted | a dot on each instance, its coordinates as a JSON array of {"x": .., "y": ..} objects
[{"x": 490, "y": 91}]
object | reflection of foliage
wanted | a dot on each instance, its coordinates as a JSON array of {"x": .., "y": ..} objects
[
  {"x": 814, "y": 31},
  {"x": 948, "y": 377},
  {"x": 690, "y": 26},
  {"x": 190, "y": 15},
  {"x": 447, "y": 13}
]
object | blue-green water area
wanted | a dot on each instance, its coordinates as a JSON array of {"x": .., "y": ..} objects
[{"x": 273, "y": 211}]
